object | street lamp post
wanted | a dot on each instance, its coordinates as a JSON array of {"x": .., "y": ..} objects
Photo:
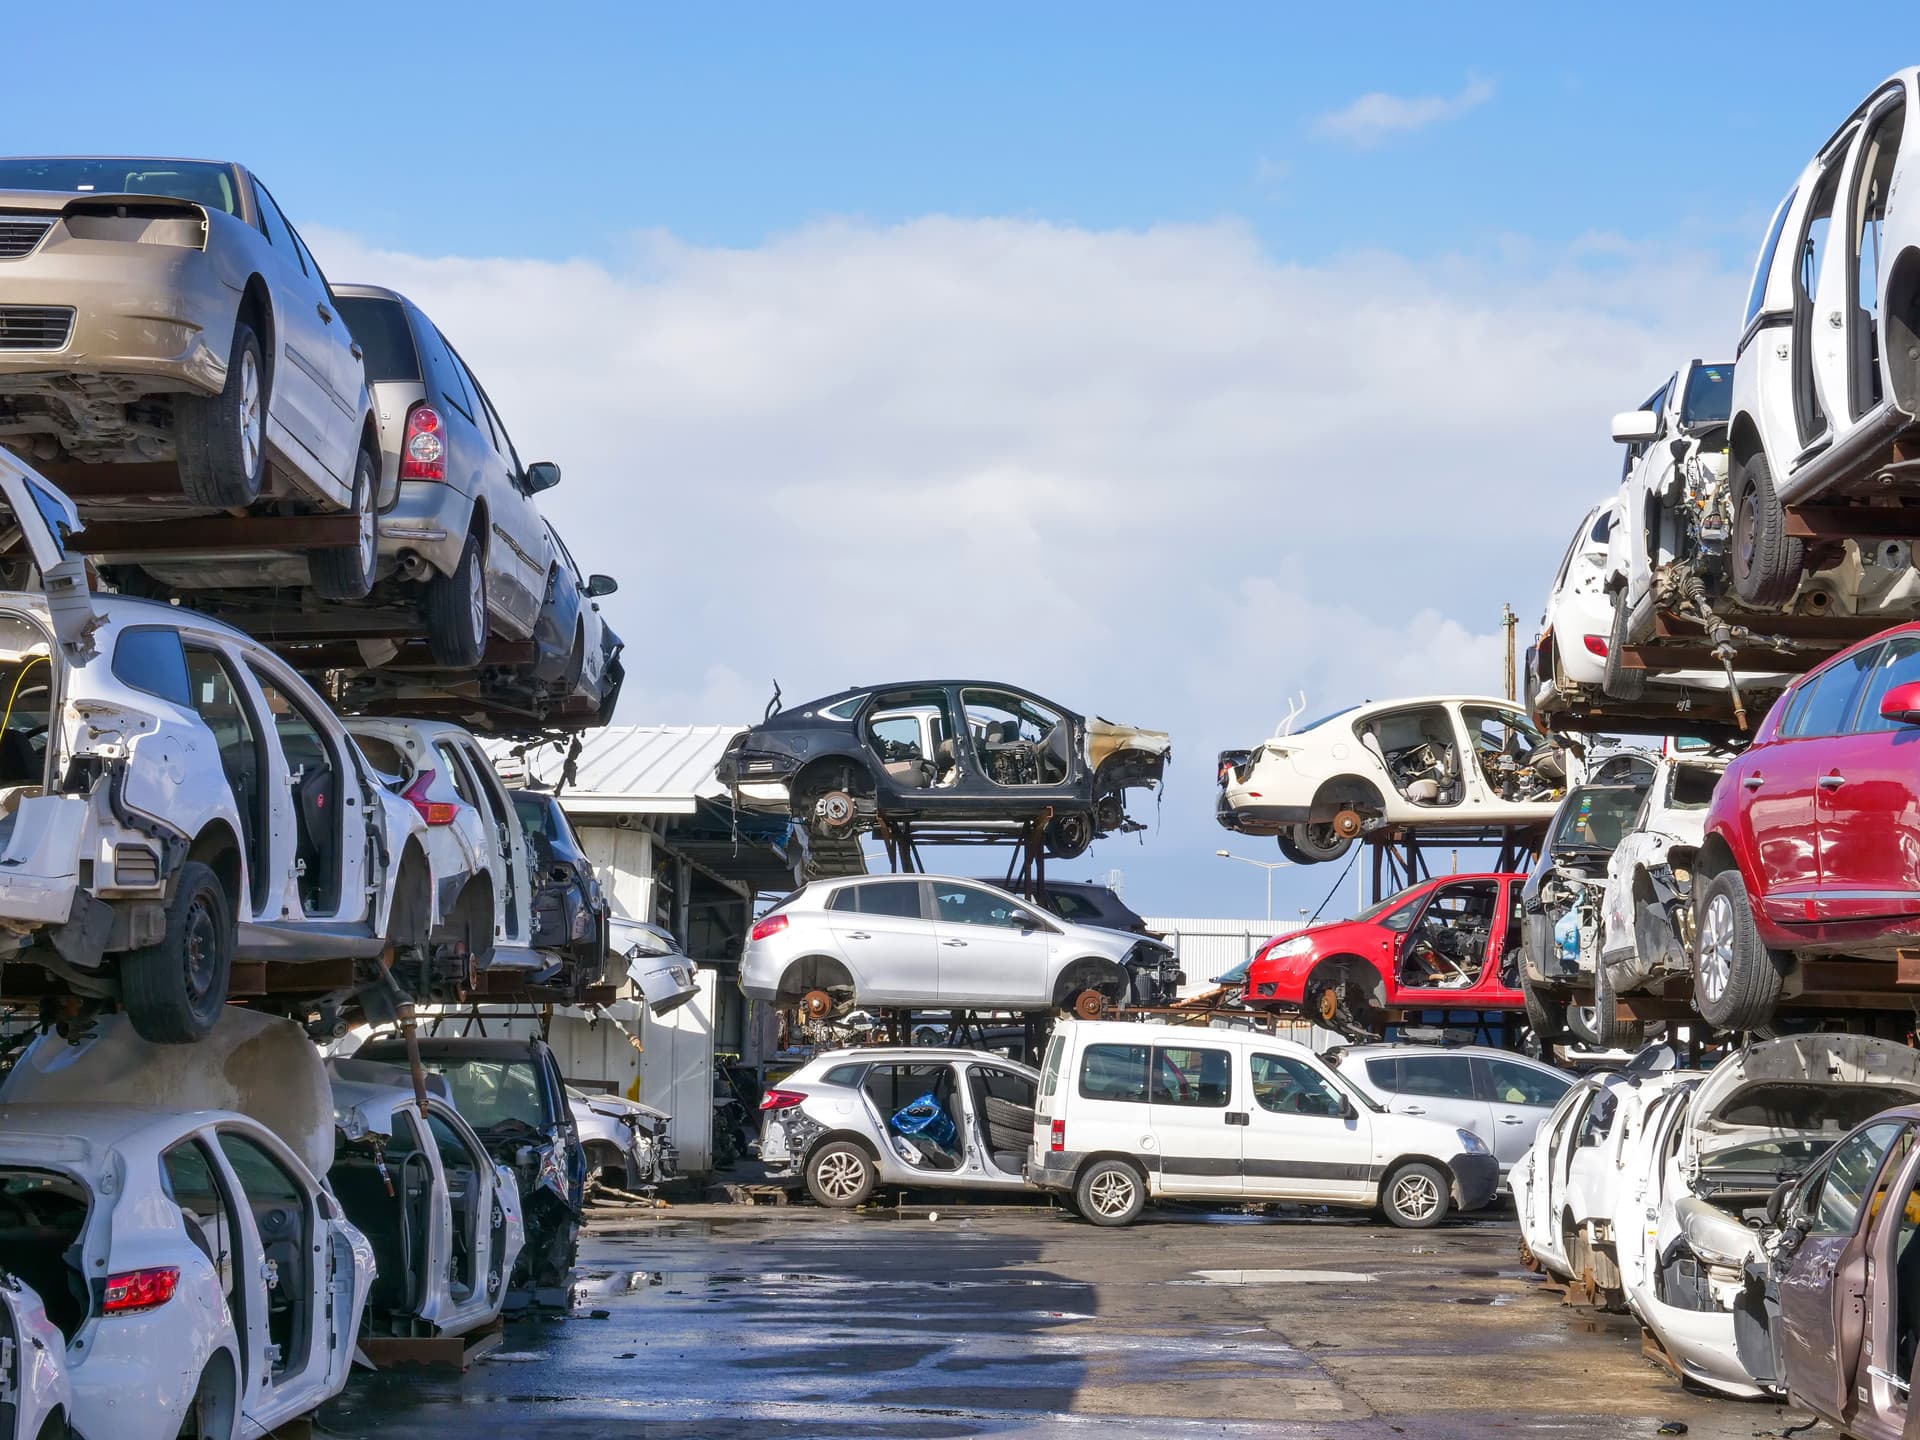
[{"x": 1267, "y": 865}]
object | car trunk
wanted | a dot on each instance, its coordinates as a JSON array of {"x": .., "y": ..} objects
[{"x": 43, "y": 1225}]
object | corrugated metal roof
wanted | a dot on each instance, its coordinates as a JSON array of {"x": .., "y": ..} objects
[{"x": 635, "y": 769}]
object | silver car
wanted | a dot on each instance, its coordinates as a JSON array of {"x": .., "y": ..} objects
[
  {"x": 628, "y": 1145},
  {"x": 851, "y": 1120},
  {"x": 1499, "y": 1096},
  {"x": 928, "y": 940}
]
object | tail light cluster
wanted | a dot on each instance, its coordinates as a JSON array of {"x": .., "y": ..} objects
[
  {"x": 423, "y": 454},
  {"x": 1057, "y": 1137},
  {"x": 434, "y": 812},
  {"x": 132, "y": 1291},
  {"x": 781, "y": 1099},
  {"x": 768, "y": 927},
  {"x": 1597, "y": 645}
]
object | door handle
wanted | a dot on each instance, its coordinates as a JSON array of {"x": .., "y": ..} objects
[
  {"x": 325, "y": 314},
  {"x": 858, "y": 935},
  {"x": 1237, "y": 1117},
  {"x": 355, "y": 351},
  {"x": 1414, "y": 1110},
  {"x": 1754, "y": 782},
  {"x": 1831, "y": 782},
  {"x": 954, "y": 944},
  {"x": 1512, "y": 1120}
]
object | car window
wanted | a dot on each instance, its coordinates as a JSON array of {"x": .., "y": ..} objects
[
  {"x": 843, "y": 1075},
  {"x": 455, "y": 1153},
  {"x": 500, "y": 434},
  {"x": 1191, "y": 1075},
  {"x": 301, "y": 739},
  {"x": 386, "y": 757},
  {"x": 1599, "y": 1117},
  {"x": 894, "y": 1087},
  {"x": 380, "y": 325},
  {"x": 261, "y": 1176},
  {"x": 1691, "y": 787},
  {"x": 1709, "y": 396},
  {"x": 187, "y": 1175},
  {"x": 1895, "y": 663},
  {"x": 456, "y": 772},
  {"x": 964, "y": 905},
  {"x": 1844, "y": 1182},
  {"x": 1450, "y": 1076},
  {"x": 1381, "y": 1073},
  {"x": 200, "y": 181},
  {"x": 1597, "y": 816},
  {"x": 896, "y": 737},
  {"x": 150, "y": 658},
  {"x": 488, "y": 1092},
  {"x": 444, "y": 373},
  {"x": 1050, "y": 1071},
  {"x": 899, "y": 898},
  {"x": 1069, "y": 906},
  {"x": 308, "y": 263},
  {"x": 1523, "y": 1085},
  {"x": 1004, "y": 1085},
  {"x": 1757, "y": 293},
  {"x": 1114, "y": 1072},
  {"x": 1289, "y": 1086},
  {"x": 1831, "y": 705},
  {"x": 279, "y": 232}
]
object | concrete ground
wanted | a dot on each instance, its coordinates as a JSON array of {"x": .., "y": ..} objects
[{"x": 720, "y": 1321}]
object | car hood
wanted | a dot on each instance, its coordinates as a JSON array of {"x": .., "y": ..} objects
[
  {"x": 1801, "y": 1086},
  {"x": 1104, "y": 739},
  {"x": 617, "y": 1109}
]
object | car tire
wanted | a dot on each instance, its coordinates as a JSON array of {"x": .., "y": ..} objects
[
  {"x": 1318, "y": 844},
  {"x": 1416, "y": 1196},
  {"x": 174, "y": 990},
  {"x": 840, "y": 1175},
  {"x": 1614, "y": 1033},
  {"x": 1546, "y": 1012},
  {"x": 345, "y": 572},
  {"x": 1763, "y": 561},
  {"x": 455, "y": 610},
  {"x": 1737, "y": 980},
  {"x": 1619, "y": 680},
  {"x": 220, "y": 441},
  {"x": 1110, "y": 1193},
  {"x": 1292, "y": 851},
  {"x": 1583, "y": 1024},
  {"x": 1069, "y": 835}
]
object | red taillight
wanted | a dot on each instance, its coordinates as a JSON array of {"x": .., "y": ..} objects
[
  {"x": 1597, "y": 645},
  {"x": 769, "y": 927},
  {"x": 135, "y": 1290},
  {"x": 434, "y": 812},
  {"x": 423, "y": 454},
  {"x": 1057, "y": 1137},
  {"x": 781, "y": 1099}
]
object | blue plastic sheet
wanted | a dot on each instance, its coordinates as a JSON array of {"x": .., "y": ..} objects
[{"x": 926, "y": 1118}]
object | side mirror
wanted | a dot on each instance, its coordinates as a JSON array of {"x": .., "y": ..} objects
[
  {"x": 542, "y": 475},
  {"x": 1630, "y": 427},
  {"x": 1348, "y": 1110},
  {"x": 1901, "y": 704},
  {"x": 598, "y": 585}
]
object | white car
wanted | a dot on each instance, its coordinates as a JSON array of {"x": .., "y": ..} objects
[
  {"x": 1453, "y": 760},
  {"x": 1696, "y": 1215},
  {"x": 1130, "y": 1112},
  {"x": 1540, "y": 1179},
  {"x": 907, "y": 941},
  {"x": 1568, "y": 662},
  {"x": 627, "y": 1145},
  {"x": 443, "y": 1218},
  {"x": 1647, "y": 906},
  {"x": 1827, "y": 386},
  {"x": 35, "y": 1395},
  {"x": 177, "y": 799},
  {"x": 1596, "y": 1167},
  {"x": 197, "y": 1271}
]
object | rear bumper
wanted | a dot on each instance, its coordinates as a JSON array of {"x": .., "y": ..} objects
[
  {"x": 1052, "y": 1169},
  {"x": 1476, "y": 1180},
  {"x": 1256, "y": 817},
  {"x": 430, "y": 519}
]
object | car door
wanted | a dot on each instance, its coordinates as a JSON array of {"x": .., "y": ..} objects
[
  {"x": 991, "y": 947},
  {"x": 510, "y": 861},
  {"x": 1198, "y": 1123},
  {"x": 519, "y": 553},
  {"x": 1441, "y": 1087},
  {"x": 1519, "y": 1097},
  {"x": 1302, "y": 1137},
  {"x": 466, "y": 1204},
  {"x": 1822, "y": 1293},
  {"x": 1002, "y": 1110},
  {"x": 1867, "y": 822},
  {"x": 300, "y": 394},
  {"x": 346, "y": 372},
  {"x": 1444, "y": 954},
  {"x": 888, "y": 940},
  {"x": 1846, "y": 308}
]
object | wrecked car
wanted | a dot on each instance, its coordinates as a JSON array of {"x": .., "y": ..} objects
[
  {"x": 850, "y": 1121},
  {"x": 570, "y": 914},
  {"x": 627, "y": 1145},
  {"x": 36, "y": 1397},
  {"x": 1568, "y": 659},
  {"x": 1442, "y": 759},
  {"x": 908, "y": 941},
  {"x": 959, "y": 753},
  {"x": 1451, "y": 943},
  {"x": 654, "y": 963},
  {"x": 511, "y": 1094},
  {"x": 442, "y": 1216},
  {"x": 1539, "y": 1180}
]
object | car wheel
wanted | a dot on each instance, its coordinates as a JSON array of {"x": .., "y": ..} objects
[
  {"x": 840, "y": 1175},
  {"x": 1110, "y": 1193},
  {"x": 174, "y": 990},
  {"x": 345, "y": 572},
  {"x": 1546, "y": 1013},
  {"x": 220, "y": 441},
  {"x": 1583, "y": 1024},
  {"x": 1614, "y": 1033},
  {"x": 1618, "y": 679},
  {"x": 1764, "y": 561},
  {"x": 1069, "y": 835},
  {"x": 1416, "y": 1196},
  {"x": 1736, "y": 979},
  {"x": 1292, "y": 851},
  {"x": 1320, "y": 842},
  {"x": 455, "y": 609}
]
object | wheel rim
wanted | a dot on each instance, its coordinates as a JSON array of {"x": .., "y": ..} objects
[
  {"x": 1716, "y": 949},
  {"x": 1746, "y": 524},
  {"x": 1588, "y": 1016},
  {"x": 367, "y": 536},
  {"x": 202, "y": 951},
  {"x": 477, "y": 604},
  {"x": 1416, "y": 1196},
  {"x": 250, "y": 422},
  {"x": 841, "y": 1175},
  {"x": 1111, "y": 1193}
]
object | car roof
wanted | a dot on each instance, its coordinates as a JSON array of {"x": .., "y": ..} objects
[
  {"x": 103, "y": 1126},
  {"x": 1388, "y": 1047},
  {"x": 370, "y": 292},
  {"x": 911, "y": 1052},
  {"x": 890, "y": 685},
  {"x": 463, "y": 1047},
  {"x": 1152, "y": 1031},
  {"x": 1496, "y": 700}
]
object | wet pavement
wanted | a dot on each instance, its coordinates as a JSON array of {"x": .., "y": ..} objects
[{"x": 722, "y": 1321}]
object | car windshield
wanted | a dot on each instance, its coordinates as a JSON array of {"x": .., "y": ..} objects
[
  {"x": 490, "y": 1093},
  {"x": 1597, "y": 816},
  {"x": 1709, "y": 397},
  {"x": 1402, "y": 907},
  {"x": 200, "y": 181}
]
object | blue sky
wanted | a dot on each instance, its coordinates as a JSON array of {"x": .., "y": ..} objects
[{"x": 1164, "y": 362}]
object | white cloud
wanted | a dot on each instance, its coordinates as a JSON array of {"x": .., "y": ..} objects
[
  {"x": 1156, "y": 474},
  {"x": 1378, "y": 117}
]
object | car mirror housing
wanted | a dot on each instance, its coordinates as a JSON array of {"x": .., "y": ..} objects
[
  {"x": 1901, "y": 703},
  {"x": 598, "y": 585},
  {"x": 1630, "y": 427},
  {"x": 542, "y": 475}
]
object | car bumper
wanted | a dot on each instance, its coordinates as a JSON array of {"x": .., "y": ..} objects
[
  {"x": 1257, "y": 817},
  {"x": 1476, "y": 1180},
  {"x": 428, "y": 519},
  {"x": 1052, "y": 1169}
]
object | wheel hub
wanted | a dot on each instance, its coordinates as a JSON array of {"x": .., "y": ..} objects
[
  {"x": 1415, "y": 1196},
  {"x": 816, "y": 1005},
  {"x": 1089, "y": 1005}
]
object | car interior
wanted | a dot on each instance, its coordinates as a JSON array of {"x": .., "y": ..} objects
[
  {"x": 1003, "y": 1114},
  {"x": 27, "y": 681},
  {"x": 317, "y": 793},
  {"x": 1286, "y": 1086},
  {"x": 187, "y": 1173},
  {"x": 1447, "y": 947},
  {"x": 43, "y": 1217},
  {"x": 1015, "y": 741},
  {"x": 385, "y": 1185},
  {"x": 283, "y": 1218},
  {"x": 1419, "y": 751},
  {"x": 917, "y": 1104},
  {"x": 912, "y": 732},
  {"x": 217, "y": 700}
]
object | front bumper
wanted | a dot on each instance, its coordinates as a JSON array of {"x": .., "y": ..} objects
[{"x": 1476, "y": 1180}]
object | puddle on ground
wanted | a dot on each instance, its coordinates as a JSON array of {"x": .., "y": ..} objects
[{"x": 1280, "y": 1277}]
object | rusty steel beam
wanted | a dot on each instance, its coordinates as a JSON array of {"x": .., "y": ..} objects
[
  {"x": 1846, "y": 522},
  {"x": 217, "y": 535}
]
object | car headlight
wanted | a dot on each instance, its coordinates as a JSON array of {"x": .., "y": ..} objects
[
  {"x": 1300, "y": 945},
  {"x": 1471, "y": 1143}
]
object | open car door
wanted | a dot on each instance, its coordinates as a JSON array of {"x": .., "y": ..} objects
[{"x": 40, "y": 514}]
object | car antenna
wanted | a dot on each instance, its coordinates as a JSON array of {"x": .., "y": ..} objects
[
  {"x": 1295, "y": 709},
  {"x": 773, "y": 705}
]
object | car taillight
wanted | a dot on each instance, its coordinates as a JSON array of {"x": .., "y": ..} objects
[
  {"x": 434, "y": 812},
  {"x": 1597, "y": 645},
  {"x": 781, "y": 1099},
  {"x": 135, "y": 1290},
  {"x": 769, "y": 927},
  {"x": 423, "y": 454},
  {"x": 1057, "y": 1137}
]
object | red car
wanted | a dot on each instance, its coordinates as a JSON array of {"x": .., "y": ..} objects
[
  {"x": 1813, "y": 844},
  {"x": 1452, "y": 943}
]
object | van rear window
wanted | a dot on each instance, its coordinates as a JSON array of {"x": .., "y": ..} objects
[{"x": 381, "y": 328}]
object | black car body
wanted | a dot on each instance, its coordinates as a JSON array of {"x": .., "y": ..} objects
[
  {"x": 569, "y": 907},
  {"x": 512, "y": 1094},
  {"x": 1084, "y": 903},
  {"x": 962, "y": 754}
]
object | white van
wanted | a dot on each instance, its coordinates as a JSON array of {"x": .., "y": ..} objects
[{"x": 1129, "y": 1112}]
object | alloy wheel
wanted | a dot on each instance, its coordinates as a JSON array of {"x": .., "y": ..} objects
[
  {"x": 1111, "y": 1192},
  {"x": 841, "y": 1175},
  {"x": 1416, "y": 1196},
  {"x": 477, "y": 604},
  {"x": 250, "y": 418},
  {"x": 1716, "y": 948}
]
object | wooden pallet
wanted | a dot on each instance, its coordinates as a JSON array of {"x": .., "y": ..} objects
[{"x": 432, "y": 1352}]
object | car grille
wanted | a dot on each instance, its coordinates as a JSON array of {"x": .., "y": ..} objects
[
  {"x": 35, "y": 327},
  {"x": 18, "y": 237}
]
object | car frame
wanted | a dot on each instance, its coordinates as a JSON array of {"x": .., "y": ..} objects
[
  {"x": 623, "y": 1138},
  {"x": 1646, "y": 931},
  {"x": 1567, "y": 662},
  {"x": 36, "y": 1397}
]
